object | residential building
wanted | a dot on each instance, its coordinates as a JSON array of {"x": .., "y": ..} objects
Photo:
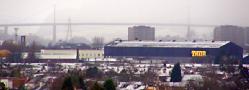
[{"x": 141, "y": 33}]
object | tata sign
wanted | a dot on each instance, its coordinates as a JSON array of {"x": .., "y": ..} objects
[{"x": 199, "y": 53}]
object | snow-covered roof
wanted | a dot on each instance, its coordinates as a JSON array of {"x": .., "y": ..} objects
[
  {"x": 172, "y": 44},
  {"x": 245, "y": 55}
]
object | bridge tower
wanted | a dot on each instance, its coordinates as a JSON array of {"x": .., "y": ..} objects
[
  {"x": 69, "y": 31},
  {"x": 54, "y": 27},
  {"x": 189, "y": 33}
]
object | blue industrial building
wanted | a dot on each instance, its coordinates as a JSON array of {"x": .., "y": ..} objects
[
  {"x": 245, "y": 59},
  {"x": 178, "y": 51}
]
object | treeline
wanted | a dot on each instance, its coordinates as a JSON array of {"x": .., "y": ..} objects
[{"x": 90, "y": 79}]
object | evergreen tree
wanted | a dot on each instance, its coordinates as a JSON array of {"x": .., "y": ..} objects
[
  {"x": 22, "y": 87},
  {"x": 31, "y": 53},
  {"x": 109, "y": 85},
  {"x": 67, "y": 84},
  {"x": 15, "y": 73},
  {"x": 111, "y": 73},
  {"x": 176, "y": 75},
  {"x": 96, "y": 86},
  {"x": 82, "y": 84},
  {"x": 93, "y": 72},
  {"x": 124, "y": 75},
  {"x": 2, "y": 86}
]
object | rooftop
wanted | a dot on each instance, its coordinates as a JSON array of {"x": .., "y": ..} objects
[{"x": 172, "y": 44}]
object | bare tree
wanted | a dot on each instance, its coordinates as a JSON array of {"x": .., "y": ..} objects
[
  {"x": 14, "y": 48},
  {"x": 98, "y": 42},
  {"x": 34, "y": 47}
]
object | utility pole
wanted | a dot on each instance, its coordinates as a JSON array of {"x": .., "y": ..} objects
[
  {"x": 188, "y": 35},
  {"x": 69, "y": 31}
]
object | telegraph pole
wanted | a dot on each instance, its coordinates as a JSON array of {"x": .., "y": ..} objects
[{"x": 188, "y": 35}]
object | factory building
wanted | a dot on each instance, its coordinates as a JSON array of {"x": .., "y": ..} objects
[
  {"x": 58, "y": 54},
  {"x": 70, "y": 54},
  {"x": 66, "y": 55},
  {"x": 91, "y": 54},
  {"x": 174, "y": 51},
  {"x": 245, "y": 59}
]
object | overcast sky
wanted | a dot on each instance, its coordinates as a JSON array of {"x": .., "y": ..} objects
[{"x": 147, "y": 11}]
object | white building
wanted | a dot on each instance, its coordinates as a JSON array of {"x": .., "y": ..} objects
[
  {"x": 58, "y": 54},
  {"x": 71, "y": 54}
]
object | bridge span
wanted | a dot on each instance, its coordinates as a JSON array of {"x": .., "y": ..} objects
[
  {"x": 54, "y": 25},
  {"x": 112, "y": 24}
]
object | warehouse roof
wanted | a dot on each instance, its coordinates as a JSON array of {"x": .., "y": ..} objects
[{"x": 174, "y": 44}]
